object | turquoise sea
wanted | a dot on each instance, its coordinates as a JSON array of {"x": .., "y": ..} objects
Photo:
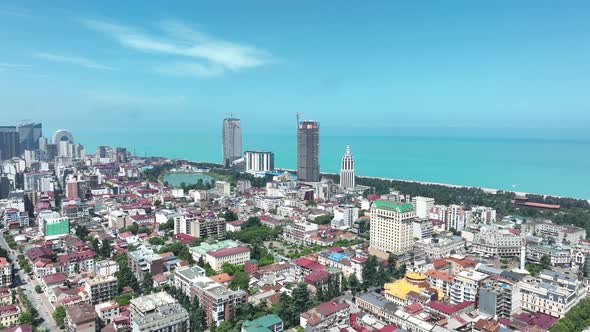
[
  {"x": 176, "y": 179},
  {"x": 555, "y": 162}
]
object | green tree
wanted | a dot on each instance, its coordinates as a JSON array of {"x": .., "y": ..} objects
[
  {"x": 58, "y": 315},
  {"x": 545, "y": 262},
  {"x": 81, "y": 232},
  {"x": 38, "y": 289},
  {"x": 26, "y": 318},
  {"x": 133, "y": 228},
  {"x": 354, "y": 284},
  {"x": 240, "y": 280},
  {"x": 323, "y": 219},
  {"x": 229, "y": 215},
  {"x": 252, "y": 222},
  {"x": 147, "y": 284}
]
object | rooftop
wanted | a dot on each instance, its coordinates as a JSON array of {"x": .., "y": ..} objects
[
  {"x": 392, "y": 206},
  {"x": 228, "y": 251},
  {"x": 152, "y": 301},
  {"x": 261, "y": 324}
]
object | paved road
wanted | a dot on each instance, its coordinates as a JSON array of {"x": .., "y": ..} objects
[{"x": 45, "y": 318}]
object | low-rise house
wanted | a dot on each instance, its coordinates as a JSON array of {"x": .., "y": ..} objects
[{"x": 325, "y": 316}]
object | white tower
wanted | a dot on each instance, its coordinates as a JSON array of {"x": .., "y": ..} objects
[{"x": 347, "y": 170}]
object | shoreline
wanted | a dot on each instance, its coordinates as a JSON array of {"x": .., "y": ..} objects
[{"x": 449, "y": 185}]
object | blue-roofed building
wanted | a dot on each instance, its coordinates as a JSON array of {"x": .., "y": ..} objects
[{"x": 348, "y": 262}]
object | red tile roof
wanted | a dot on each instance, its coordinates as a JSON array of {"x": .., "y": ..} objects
[
  {"x": 448, "y": 308},
  {"x": 228, "y": 251},
  {"x": 331, "y": 307},
  {"x": 309, "y": 264}
]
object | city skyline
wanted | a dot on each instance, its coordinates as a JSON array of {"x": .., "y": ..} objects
[{"x": 471, "y": 66}]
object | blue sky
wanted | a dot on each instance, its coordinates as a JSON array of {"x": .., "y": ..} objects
[{"x": 358, "y": 65}]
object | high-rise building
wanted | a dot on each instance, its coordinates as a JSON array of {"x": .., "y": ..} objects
[
  {"x": 259, "y": 161},
  {"x": 423, "y": 206},
  {"x": 158, "y": 312},
  {"x": 308, "y": 151},
  {"x": 499, "y": 297},
  {"x": 8, "y": 142},
  {"x": 232, "y": 140},
  {"x": 391, "y": 228},
  {"x": 28, "y": 136},
  {"x": 347, "y": 170}
]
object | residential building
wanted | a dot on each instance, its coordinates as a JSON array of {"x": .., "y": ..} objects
[
  {"x": 558, "y": 254},
  {"x": 158, "y": 312},
  {"x": 145, "y": 260},
  {"x": 101, "y": 289},
  {"x": 308, "y": 151},
  {"x": 299, "y": 232},
  {"x": 106, "y": 268},
  {"x": 5, "y": 273},
  {"x": 491, "y": 241},
  {"x": 345, "y": 216},
  {"x": 499, "y": 297},
  {"x": 347, "y": 262},
  {"x": 236, "y": 256},
  {"x": 347, "y": 170},
  {"x": 391, "y": 228},
  {"x": 80, "y": 318},
  {"x": 325, "y": 316},
  {"x": 483, "y": 215},
  {"x": 422, "y": 229},
  {"x": 186, "y": 276},
  {"x": 218, "y": 301},
  {"x": 199, "y": 252},
  {"x": 466, "y": 286},
  {"x": 9, "y": 315},
  {"x": 199, "y": 226},
  {"x": 267, "y": 323},
  {"x": 457, "y": 217},
  {"x": 441, "y": 280},
  {"x": 222, "y": 188},
  {"x": 107, "y": 311},
  {"x": 560, "y": 233},
  {"x": 259, "y": 161},
  {"x": 423, "y": 205},
  {"x": 232, "y": 141},
  {"x": 553, "y": 293}
]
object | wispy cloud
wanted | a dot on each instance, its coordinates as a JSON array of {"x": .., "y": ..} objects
[
  {"x": 210, "y": 56},
  {"x": 75, "y": 60}
]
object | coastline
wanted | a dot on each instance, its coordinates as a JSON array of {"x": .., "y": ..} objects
[{"x": 449, "y": 185}]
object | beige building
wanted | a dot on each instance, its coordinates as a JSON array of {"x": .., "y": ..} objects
[
  {"x": 9, "y": 315},
  {"x": 101, "y": 289},
  {"x": 237, "y": 256},
  {"x": 391, "y": 228}
]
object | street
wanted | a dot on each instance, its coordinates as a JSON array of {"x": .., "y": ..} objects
[{"x": 45, "y": 319}]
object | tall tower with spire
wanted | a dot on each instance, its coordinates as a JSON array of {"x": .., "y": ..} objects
[{"x": 347, "y": 170}]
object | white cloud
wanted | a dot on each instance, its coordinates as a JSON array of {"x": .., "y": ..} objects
[
  {"x": 80, "y": 61},
  {"x": 210, "y": 56},
  {"x": 190, "y": 69}
]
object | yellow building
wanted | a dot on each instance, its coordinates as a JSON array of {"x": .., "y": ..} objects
[{"x": 412, "y": 288}]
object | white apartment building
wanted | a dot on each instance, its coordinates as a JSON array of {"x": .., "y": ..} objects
[
  {"x": 299, "y": 232},
  {"x": 186, "y": 276},
  {"x": 457, "y": 217},
  {"x": 483, "y": 215},
  {"x": 423, "y": 206},
  {"x": 391, "y": 228},
  {"x": 552, "y": 293},
  {"x": 5, "y": 273},
  {"x": 560, "y": 233},
  {"x": 465, "y": 286},
  {"x": 344, "y": 216}
]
